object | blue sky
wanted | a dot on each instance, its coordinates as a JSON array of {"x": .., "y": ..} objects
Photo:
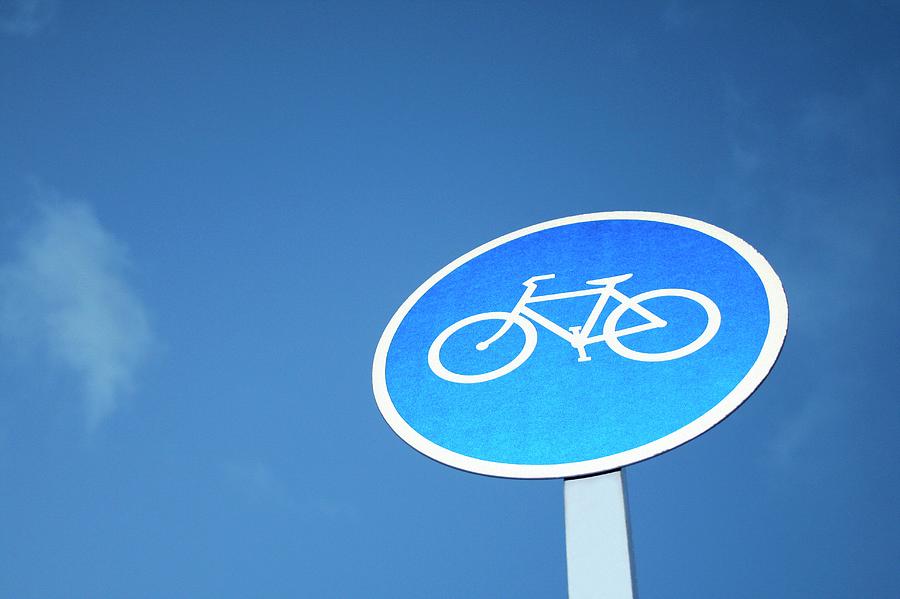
[{"x": 209, "y": 212}]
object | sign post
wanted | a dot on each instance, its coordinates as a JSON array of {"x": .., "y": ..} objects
[
  {"x": 598, "y": 545},
  {"x": 576, "y": 347}
]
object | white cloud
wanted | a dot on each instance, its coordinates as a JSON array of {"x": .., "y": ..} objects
[
  {"x": 26, "y": 18},
  {"x": 64, "y": 294}
]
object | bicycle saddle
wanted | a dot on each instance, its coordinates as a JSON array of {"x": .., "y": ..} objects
[{"x": 610, "y": 280}]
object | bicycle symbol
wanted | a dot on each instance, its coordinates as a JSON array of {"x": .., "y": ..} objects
[{"x": 580, "y": 336}]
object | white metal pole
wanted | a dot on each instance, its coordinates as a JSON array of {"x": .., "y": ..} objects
[{"x": 598, "y": 555}]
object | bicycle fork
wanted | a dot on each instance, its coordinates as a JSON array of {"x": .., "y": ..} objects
[
  {"x": 530, "y": 286},
  {"x": 579, "y": 340}
]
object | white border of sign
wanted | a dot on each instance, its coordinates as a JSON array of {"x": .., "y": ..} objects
[{"x": 778, "y": 320}]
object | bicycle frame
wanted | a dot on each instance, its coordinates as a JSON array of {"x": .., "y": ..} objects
[{"x": 578, "y": 336}]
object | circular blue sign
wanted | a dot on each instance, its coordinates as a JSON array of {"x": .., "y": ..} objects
[{"x": 580, "y": 345}]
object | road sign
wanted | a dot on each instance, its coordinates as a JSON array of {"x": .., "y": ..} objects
[{"x": 580, "y": 345}]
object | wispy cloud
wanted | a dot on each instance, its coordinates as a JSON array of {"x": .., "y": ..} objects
[
  {"x": 676, "y": 15},
  {"x": 795, "y": 436},
  {"x": 257, "y": 483},
  {"x": 260, "y": 485},
  {"x": 746, "y": 160},
  {"x": 65, "y": 294},
  {"x": 26, "y": 18},
  {"x": 823, "y": 183}
]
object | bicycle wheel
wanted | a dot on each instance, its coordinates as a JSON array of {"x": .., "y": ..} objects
[
  {"x": 714, "y": 319},
  {"x": 434, "y": 352}
]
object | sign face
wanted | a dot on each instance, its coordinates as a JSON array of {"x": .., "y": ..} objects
[{"x": 580, "y": 345}]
